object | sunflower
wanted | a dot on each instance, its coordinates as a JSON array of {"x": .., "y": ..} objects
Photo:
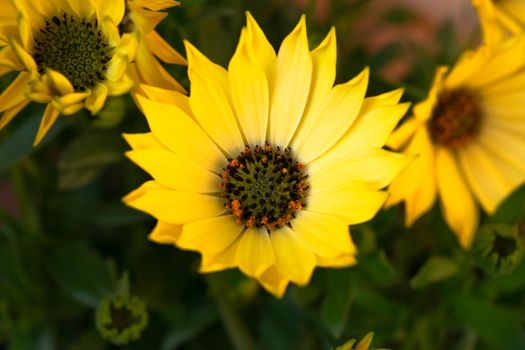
[
  {"x": 265, "y": 165},
  {"x": 469, "y": 134},
  {"x": 500, "y": 18},
  {"x": 140, "y": 19}
]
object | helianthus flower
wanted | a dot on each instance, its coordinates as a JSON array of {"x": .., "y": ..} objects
[
  {"x": 140, "y": 19},
  {"x": 265, "y": 165},
  {"x": 469, "y": 134},
  {"x": 500, "y": 18}
]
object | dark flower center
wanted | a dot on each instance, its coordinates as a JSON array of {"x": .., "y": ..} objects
[
  {"x": 264, "y": 186},
  {"x": 75, "y": 47},
  {"x": 456, "y": 118}
]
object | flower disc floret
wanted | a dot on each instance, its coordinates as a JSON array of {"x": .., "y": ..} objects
[
  {"x": 75, "y": 47},
  {"x": 264, "y": 186}
]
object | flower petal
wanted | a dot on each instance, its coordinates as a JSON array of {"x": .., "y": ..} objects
[
  {"x": 179, "y": 133},
  {"x": 292, "y": 86},
  {"x": 220, "y": 261},
  {"x": 164, "y": 233},
  {"x": 327, "y": 236},
  {"x": 250, "y": 93},
  {"x": 293, "y": 257},
  {"x": 255, "y": 253},
  {"x": 174, "y": 207},
  {"x": 210, "y": 102},
  {"x": 274, "y": 282},
  {"x": 174, "y": 171},
  {"x": 333, "y": 118},
  {"x": 461, "y": 212},
  {"x": 48, "y": 119},
  {"x": 142, "y": 141},
  {"x": 211, "y": 235},
  {"x": 15, "y": 92},
  {"x": 354, "y": 202}
]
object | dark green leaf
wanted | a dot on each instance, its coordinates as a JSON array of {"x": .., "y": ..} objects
[
  {"x": 435, "y": 269},
  {"x": 85, "y": 157},
  {"x": 336, "y": 304},
  {"x": 493, "y": 324},
  {"x": 81, "y": 273}
]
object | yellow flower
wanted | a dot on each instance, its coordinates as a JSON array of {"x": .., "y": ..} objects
[
  {"x": 469, "y": 134},
  {"x": 73, "y": 54},
  {"x": 265, "y": 165},
  {"x": 141, "y": 18},
  {"x": 499, "y": 18}
]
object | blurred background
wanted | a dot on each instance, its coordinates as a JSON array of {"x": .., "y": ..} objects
[{"x": 67, "y": 242}]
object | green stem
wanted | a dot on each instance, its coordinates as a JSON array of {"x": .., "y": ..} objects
[{"x": 236, "y": 330}]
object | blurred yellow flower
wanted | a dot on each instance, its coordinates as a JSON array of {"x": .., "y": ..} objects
[
  {"x": 265, "y": 165},
  {"x": 500, "y": 18},
  {"x": 73, "y": 54},
  {"x": 140, "y": 19},
  {"x": 469, "y": 135}
]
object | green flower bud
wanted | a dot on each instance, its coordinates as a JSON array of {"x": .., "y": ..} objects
[
  {"x": 121, "y": 319},
  {"x": 498, "y": 248}
]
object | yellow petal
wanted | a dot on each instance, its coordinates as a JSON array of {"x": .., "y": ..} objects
[
  {"x": 25, "y": 58},
  {"x": 111, "y": 9},
  {"x": 333, "y": 118},
  {"x": 416, "y": 185},
  {"x": 72, "y": 98},
  {"x": 174, "y": 207},
  {"x": 8, "y": 115},
  {"x": 376, "y": 167},
  {"x": 179, "y": 133},
  {"x": 160, "y": 48},
  {"x": 220, "y": 261},
  {"x": 96, "y": 100},
  {"x": 152, "y": 72},
  {"x": 250, "y": 92},
  {"x": 370, "y": 130},
  {"x": 83, "y": 8},
  {"x": 210, "y": 102},
  {"x": 274, "y": 282},
  {"x": 257, "y": 42},
  {"x": 174, "y": 171},
  {"x": 483, "y": 177},
  {"x": 255, "y": 253},
  {"x": 461, "y": 212},
  {"x": 211, "y": 235},
  {"x": 353, "y": 202},
  {"x": 339, "y": 262},
  {"x": 142, "y": 141},
  {"x": 326, "y": 235},
  {"x": 292, "y": 86},
  {"x": 48, "y": 119},
  {"x": 164, "y": 233},
  {"x": 293, "y": 257},
  {"x": 400, "y": 137},
  {"x": 166, "y": 96},
  {"x": 15, "y": 92},
  {"x": 324, "y": 59},
  {"x": 59, "y": 83},
  {"x": 26, "y": 33}
]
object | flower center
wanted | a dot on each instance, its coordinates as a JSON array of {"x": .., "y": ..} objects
[
  {"x": 75, "y": 47},
  {"x": 456, "y": 118},
  {"x": 264, "y": 186}
]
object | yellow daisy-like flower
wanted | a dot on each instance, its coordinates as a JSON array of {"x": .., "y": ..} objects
[
  {"x": 141, "y": 18},
  {"x": 469, "y": 134},
  {"x": 73, "y": 54},
  {"x": 265, "y": 165},
  {"x": 500, "y": 18}
]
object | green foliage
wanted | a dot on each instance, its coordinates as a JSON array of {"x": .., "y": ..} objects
[{"x": 64, "y": 232}]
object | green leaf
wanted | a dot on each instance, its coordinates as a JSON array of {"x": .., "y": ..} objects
[
  {"x": 493, "y": 324},
  {"x": 376, "y": 267},
  {"x": 19, "y": 143},
  {"x": 85, "y": 158},
  {"x": 336, "y": 304},
  {"x": 81, "y": 273},
  {"x": 435, "y": 269},
  {"x": 512, "y": 209}
]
